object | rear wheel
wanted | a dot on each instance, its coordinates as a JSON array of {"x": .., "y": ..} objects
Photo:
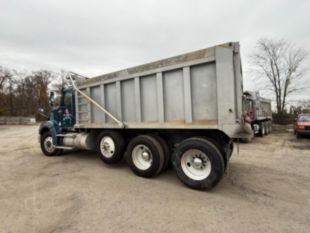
[
  {"x": 262, "y": 129},
  {"x": 167, "y": 154},
  {"x": 267, "y": 127},
  {"x": 145, "y": 156},
  {"x": 110, "y": 147},
  {"x": 47, "y": 146},
  {"x": 198, "y": 163}
]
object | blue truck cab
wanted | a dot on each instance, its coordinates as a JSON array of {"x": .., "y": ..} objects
[{"x": 60, "y": 120}]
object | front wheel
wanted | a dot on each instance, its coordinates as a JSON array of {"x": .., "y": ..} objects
[
  {"x": 47, "y": 146},
  {"x": 110, "y": 147},
  {"x": 198, "y": 163}
]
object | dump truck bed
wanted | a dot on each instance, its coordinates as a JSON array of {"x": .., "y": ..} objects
[{"x": 196, "y": 90}]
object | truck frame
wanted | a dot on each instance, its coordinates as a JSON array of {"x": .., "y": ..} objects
[{"x": 183, "y": 110}]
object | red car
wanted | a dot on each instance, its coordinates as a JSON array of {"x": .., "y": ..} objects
[{"x": 302, "y": 125}]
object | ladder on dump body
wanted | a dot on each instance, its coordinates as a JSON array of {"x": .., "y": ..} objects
[
  {"x": 83, "y": 111},
  {"x": 80, "y": 95}
]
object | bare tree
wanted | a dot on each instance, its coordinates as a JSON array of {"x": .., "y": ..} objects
[
  {"x": 5, "y": 75},
  {"x": 279, "y": 63}
]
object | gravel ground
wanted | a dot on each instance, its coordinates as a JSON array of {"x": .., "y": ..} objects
[{"x": 267, "y": 189}]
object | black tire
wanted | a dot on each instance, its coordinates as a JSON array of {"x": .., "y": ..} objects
[
  {"x": 47, "y": 136},
  {"x": 215, "y": 158},
  {"x": 106, "y": 153},
  {"x": 298, "y": 136},
  {"x": 269, "y": 126},
  {"x": 266, "y": 128},
  {"x": 231, "y": 150},
  {"x": 167, "y": 152},
  {"x": 261, "y": 129},
  {"x": 265, "y": 125},
  {"x": 153, "y": 147}
]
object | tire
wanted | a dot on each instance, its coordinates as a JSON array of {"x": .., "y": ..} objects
[
  {"x": 145, "y": 156},
  {"x": 190, "y": 173},
  {"x": 47, "y": 146},
  {"x": 262, "y": 129},
  {"x": 167, "y": 152},
  {"x": 298, "y": 136},
  {"x": 267, "y": 127},
  {"x": 266, "y": 130},
  {"x": 110, "y": 147}
]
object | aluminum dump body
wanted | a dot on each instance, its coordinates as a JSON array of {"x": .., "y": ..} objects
[
  {"x": 196, "y": 90},
  {"x": 263, "y": 108}
]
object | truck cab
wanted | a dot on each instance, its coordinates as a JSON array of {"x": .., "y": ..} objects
[{"x": 60, "y": 119}]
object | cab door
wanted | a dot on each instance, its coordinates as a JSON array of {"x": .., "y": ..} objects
[{"x": 68, "y": 109}]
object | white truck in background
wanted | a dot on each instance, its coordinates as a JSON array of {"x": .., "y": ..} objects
[{"x": 258, "y": 113}]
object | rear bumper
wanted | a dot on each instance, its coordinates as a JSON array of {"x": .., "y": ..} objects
[{"x": 238, "y": 130}]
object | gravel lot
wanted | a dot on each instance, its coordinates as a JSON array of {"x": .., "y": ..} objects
[{"x": 267, "y": 189}]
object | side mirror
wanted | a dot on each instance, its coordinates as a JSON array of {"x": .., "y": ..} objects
[
  {"x": 41, "y": 112},
  {"x": 52, "y": 98}
]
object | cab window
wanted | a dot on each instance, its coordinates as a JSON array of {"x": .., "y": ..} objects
[{"x": 68, "y": 100}]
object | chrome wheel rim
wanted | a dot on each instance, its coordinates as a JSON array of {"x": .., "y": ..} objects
[
  {"x": 196, "y": 164},
  {"x": 48, "y": 144},
  {"x": 142, "y": 157},
  {"x": 107, "y": 147}
]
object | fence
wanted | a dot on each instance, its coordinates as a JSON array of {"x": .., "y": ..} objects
[{"x": 17, "y": 120}]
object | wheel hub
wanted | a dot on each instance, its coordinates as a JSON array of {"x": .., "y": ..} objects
[
  {"x": 107, "y": 147},
  {"x": 145, "y": 155},
  {"x": 48, "y": 144},
  {"x": 196, "y": 164},
  {"x": 142, "y": 157}
]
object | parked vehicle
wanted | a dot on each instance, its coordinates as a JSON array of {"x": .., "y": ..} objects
[
  {"x": 258, "y": 113},
  {"x": 302, "y": 125},
  {"x": 185, "y": 109}
]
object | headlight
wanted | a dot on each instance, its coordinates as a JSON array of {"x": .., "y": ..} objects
[{"x": 301, "y": 127}]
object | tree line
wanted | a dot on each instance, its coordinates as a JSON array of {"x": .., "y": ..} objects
[{"x": 22, "y": 93}]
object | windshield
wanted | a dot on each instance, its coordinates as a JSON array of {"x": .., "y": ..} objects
[
  {"x": 304, "y": 118},
  {"x": 55, "y": 98}
]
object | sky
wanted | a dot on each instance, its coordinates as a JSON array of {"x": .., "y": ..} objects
[{"x": 94, "y": 37}]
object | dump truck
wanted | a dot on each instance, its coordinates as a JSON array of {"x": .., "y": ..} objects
[
  {"x": 183, "y": 110},
  {"x": 258, "y": 113}
]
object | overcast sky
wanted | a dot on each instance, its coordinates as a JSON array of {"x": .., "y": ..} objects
[{"x": 96, "y": 36}]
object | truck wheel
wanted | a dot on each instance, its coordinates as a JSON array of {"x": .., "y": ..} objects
[
  {"x": 145, "y": 156},
  {"x": 47, "y": 146},
  {"x": 262, "y": 129},
  {"x": 167, "y": 154},
  {"x": 198, "y": 163},
  {"x": 110, "y": 147},
  {"x": 266, "y": 127}
]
